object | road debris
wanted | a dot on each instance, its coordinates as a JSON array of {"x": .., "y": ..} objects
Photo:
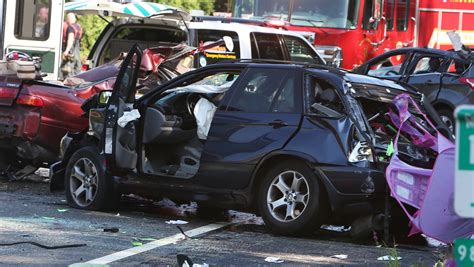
[
  {"x": 178, "y": 222},
  {"x": 388, "y": 258},
  {"x": 137, "y": 244},
  {"x": 111, "y": 230},
  {"x": 42, "y": 246},
  {"x": 274, "y": 260},
  {"x": 185, "y": 261},
  {"x": 339, "y": 256}
]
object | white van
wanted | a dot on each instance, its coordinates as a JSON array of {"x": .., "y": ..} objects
[{"x": 35, "y": 27}]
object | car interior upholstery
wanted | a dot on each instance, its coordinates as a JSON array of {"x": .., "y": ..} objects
[{"x": 173, "y": 139}]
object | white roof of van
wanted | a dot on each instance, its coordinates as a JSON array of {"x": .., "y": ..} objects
[{"x": 239, "y": 28}]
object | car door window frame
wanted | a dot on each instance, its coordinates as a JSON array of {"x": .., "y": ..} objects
[
  {"x": 416, "y": 57},
  {"x": 403, "y": 68},
  {"x": 243, "y": 78},
  {"x": 308, "y": 96},
  {"x": 154, "y": 95},
  {"x": 255, "y": 46}
]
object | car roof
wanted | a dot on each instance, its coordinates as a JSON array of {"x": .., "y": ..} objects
[
  {"x": 325, "y": 71},
  {"x": 446, "y": 53},
  {"x": 239, "y": 28}
]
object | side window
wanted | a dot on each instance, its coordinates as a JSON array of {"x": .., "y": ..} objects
[
  {"x": 390, "y": 12},
  {"x": 389, "y": 66},
  {"x": 458, "y": 67},
  {"x": 403, "y": 10},
  {"x": 265, "y": 90},
  {"x": 300, "y": 51},
  {"x": 372, "y": 12},
  {"x": 427, "y": 64},
  {"x": 268, "y": 46},
  {"x": 214, "y": 85},
  {"x": 324, "y": 100},
  {"x": 32, "y": 19},
  {"x": 220, "y": 52},
  {"x": 123, "y": 39}
]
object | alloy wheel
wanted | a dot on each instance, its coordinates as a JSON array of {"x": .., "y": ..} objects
[
  {"x": 288, "y": 196},
  {"x": 83, "y": 182},
  {"x": 447, "y": 121}
]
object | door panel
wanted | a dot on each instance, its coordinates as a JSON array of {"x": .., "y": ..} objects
[
  {"x": 120, "y": 141},
  {"x": 264, "y": 112},
  {"x": 424, "y": 73}
]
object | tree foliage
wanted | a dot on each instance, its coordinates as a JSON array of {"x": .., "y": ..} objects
[
  {"x": 92, "y": 26},
  {"x": 206, "y": 5}
]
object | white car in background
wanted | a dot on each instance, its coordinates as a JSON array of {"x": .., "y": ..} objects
[{"x": 249, "y": 41}]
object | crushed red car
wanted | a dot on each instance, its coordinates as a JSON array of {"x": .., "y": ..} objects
[{"x": 36, "y": 114}]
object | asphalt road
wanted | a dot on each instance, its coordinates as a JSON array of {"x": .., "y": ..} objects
[{"x": 30, "y": 213}]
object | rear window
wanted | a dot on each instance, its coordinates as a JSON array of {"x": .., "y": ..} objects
[
  {"x": 218, "y": 53},
  {"x": 32, "y": 19},
  {"x": 148, "y": 37}
]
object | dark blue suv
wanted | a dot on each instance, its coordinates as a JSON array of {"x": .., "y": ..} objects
[{"x": 298, "y": 144}]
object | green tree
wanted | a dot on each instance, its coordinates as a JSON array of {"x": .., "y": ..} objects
[
  {"x": 206, "y": 5},
  {"x": 92, "y": 26}
]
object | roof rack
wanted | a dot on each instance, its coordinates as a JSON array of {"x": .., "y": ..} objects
[
  {"x": 228, "y": 20},
  {"x": 276, "y": 61}
]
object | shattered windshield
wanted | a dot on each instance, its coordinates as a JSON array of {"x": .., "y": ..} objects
[{"x": 311, "y": 13}]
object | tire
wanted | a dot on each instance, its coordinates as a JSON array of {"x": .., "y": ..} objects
[
  {"x": 102, "y": 196},
  {"x": 305, "y": 218},
  {"x": 447, "y": 117}
]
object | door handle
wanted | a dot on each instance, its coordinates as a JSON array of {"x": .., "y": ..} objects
[{"x": 278, "y": 124}]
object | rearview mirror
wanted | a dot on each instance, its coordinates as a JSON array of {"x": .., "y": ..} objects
[{"x": 104, "y": 97}]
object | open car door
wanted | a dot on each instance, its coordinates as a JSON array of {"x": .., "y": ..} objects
[{"x": 119, "y": 143}]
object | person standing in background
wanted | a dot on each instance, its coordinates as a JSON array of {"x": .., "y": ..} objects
[
  {"x": 41, "y": 26},
  {"x": 71, "y": 57}
]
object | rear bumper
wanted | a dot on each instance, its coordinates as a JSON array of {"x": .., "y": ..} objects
[
  {"x": 19, "y": 127},
  {"x": 20, "y": 122},
  {"x": 353, "y": 192}
]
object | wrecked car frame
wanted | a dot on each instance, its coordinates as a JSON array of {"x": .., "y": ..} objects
[{"x": 294, "y": 143}]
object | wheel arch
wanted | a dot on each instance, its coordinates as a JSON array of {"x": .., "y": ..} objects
[
  {"x": 57, "y": 170},
  {"x": 268, "y": 161}
]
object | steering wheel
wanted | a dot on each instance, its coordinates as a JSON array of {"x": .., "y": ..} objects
[{"x": 191, "y": 100}]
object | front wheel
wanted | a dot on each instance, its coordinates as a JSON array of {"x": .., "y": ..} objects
[
  {"x": 86, "y": 185},
  {"x": 289, "y": 199}
]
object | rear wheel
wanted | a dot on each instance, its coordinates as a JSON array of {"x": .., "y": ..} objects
[
  {"x": 289, "y": 199},
  {"x": 86, "y": 185},
  {"x": 447, "y": 117}
]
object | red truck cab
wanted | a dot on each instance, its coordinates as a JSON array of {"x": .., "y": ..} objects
[{"x": 349, "y": 32}]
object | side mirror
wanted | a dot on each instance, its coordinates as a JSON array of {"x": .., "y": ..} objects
[
  {"x": 104, "y": 97},
  {"x": 229, "y": 43}
]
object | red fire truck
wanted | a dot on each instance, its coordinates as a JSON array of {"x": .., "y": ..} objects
[{"x": 348, "y": 32}]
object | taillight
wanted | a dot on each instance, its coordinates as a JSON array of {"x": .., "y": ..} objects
[
  {"x": 8, "y": 92},
  {"x": 29, "y": 100},
  {"x": 468, "y": 81},
  {"x": 85, "y": 67}
]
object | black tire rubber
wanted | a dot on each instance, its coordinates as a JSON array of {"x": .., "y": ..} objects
[
  {"x": 312, "y": 217},
  {"x": 106, "y": 198}
]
